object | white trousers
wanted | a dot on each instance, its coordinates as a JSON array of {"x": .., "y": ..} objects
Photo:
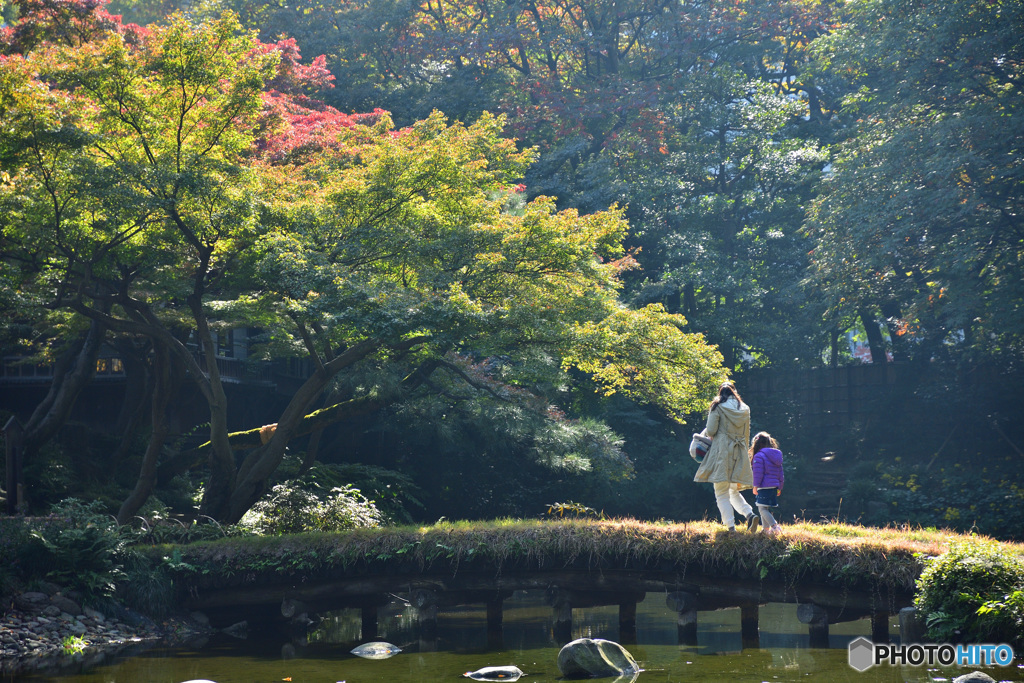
[
  {"x": 727, "y": 495},
  {"x": 767, "y": 519}
]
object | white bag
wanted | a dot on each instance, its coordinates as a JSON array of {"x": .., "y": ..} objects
[{"x": 699, "y": 446}]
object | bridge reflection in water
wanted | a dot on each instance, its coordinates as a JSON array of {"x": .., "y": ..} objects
[
  {"x": 528, "y": 625},
  {"x": 688, "y": 601}
]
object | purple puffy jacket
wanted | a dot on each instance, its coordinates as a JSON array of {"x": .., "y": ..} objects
[{"x": 767, "y": 467}]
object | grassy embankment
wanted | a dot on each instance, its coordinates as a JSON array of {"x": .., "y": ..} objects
[{"x": 888, "y": 559}]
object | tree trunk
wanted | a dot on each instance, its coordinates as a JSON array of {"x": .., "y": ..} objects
[
  {"x": 138, "y": 393},
  {"x": 833, "y": 360},
  {"x": 72, "y": 374},
  {"x": 689, "y": 300},
  {"x": 162, "y": 391},
  {"x": 875, "y": 341},
  {"x": 892, "y": 314},
  {"x": 221, "y": 483},
  {"x": 260, "y": 464}
]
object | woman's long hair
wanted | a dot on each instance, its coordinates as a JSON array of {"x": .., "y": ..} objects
[
  {"x": 762, "y": 440},
  {"x": 725, "y": 392}
]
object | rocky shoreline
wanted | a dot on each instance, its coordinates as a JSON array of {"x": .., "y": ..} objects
[{"x": 51, "y": 630}]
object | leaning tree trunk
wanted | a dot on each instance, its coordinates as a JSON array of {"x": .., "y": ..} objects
[
  {"x": 875, "y": 341},
  {"x": 162, "y": 391},
  {"x": 261, "y": 463},
  {"x": 258, "y": 466},
  {"x": 71, "y": 375}
]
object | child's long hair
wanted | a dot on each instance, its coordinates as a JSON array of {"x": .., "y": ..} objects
[{"x": 762, "y": 440}]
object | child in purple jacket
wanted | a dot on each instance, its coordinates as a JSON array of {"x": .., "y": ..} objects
[{"x": 766, "y": 463}]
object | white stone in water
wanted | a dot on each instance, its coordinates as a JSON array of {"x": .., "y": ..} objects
[
  {"x": 495, "y": 673},
  {"x": 376, "y": 650},
  {"x": 586, "y": 657}
]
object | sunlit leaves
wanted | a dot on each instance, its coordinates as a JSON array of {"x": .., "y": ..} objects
[
  {"x": 403, "y": 232},
  {"x": 645, "y": 354},
  {"x": 920, "y": 214}
]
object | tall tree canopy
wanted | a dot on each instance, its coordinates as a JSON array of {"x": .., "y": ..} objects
[
  {"x": 171, "y": 182},
  {"x": 920, "y": 218},
  {"x": 692, "y": 116}
]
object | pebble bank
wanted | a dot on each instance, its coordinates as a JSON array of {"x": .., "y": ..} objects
[{"x": 50, "y": 630}]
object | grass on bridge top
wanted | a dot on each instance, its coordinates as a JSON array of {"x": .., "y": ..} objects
[{"x": 890, "y": 557}]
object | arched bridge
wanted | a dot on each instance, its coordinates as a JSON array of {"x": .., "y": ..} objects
[{"x": 577, "y": 565}]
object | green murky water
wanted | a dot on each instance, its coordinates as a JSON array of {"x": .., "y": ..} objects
[{"x": 782, "y": 652}]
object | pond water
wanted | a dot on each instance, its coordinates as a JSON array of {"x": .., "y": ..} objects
[{"x": 527, "y": 640}]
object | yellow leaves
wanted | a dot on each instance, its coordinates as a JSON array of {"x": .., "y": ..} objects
[
  {"x": 461, "y": 300},
  {"x": 490, "y": 259},
  {"x": 645, "y": 354}
]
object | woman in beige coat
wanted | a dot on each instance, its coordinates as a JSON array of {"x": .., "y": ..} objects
[{"x": 727, "y": 463}]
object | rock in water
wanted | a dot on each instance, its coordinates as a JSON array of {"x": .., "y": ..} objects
[
  {"x": 594, "y": 657},
  {"x": 376, "y": 650},
  {"x": 495, "y": 673},
  {"x": 974, "y": 677}
]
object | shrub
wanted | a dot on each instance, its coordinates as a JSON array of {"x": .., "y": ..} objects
[
  {"x": 147, "y": 588},
  {"x": 15, "y": 543},
  {"x": 973, "y": 593},
  {"x": 81, "y": 547},
  {"x": 289, "y": 509},
  {"x": 157, "y": 529}
]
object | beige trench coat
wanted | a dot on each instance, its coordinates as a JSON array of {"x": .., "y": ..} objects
[{"x": 728, "y": 459}]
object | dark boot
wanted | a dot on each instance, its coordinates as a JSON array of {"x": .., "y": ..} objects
[{"x": 752, "y": 521}]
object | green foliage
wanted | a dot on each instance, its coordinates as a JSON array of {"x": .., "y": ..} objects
[
  {"x": 714, "y": 160},
  {"x": 572, "y": 510},
  {"x": 1006, "y": 613},
  {"x": 973, "y": 593},
  {"x": 81, "y": 548},
  {"x": 413, "y": 241},
  {"x": 74, "y": 644},
  {"x": 394, "y": 493},
  {"x": 917, "y": 221},
  {"x": 147, "y": 586},
  {"x": 289, "y": 509},
  {"x": 396, "y": 245},
  {"x": 158, "y": 528},
  {"x": 16, "y": 543},
  {"x": 978, "y": 494}
]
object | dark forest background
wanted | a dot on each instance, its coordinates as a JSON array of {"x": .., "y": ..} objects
[{"x": 830, "y": 192}]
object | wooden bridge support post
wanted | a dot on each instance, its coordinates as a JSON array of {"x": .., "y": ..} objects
[
  {"x": 751, "y": 636},
  {"x": 685, "y": 605},
  {"x": 687, "y": 627},
  {"x": 816, "y": 618},
  {"x": 495, "y": 634},
  {"x": 880, "y": 627},
  {"x": 14, "y": 436},
  {"x": 561, "y": 612},
  {"x": 563, "y": 622},
  {"x": 911, "y": 626},
  {"x": 425, "y": 602},
  {"x": 368, "y": 617},
  {"x": 627, "y": 622}
]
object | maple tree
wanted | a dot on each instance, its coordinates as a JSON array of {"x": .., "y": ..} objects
[
  {"x": 627, "y": 103},
  {"x": 179, "y": 180}
]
